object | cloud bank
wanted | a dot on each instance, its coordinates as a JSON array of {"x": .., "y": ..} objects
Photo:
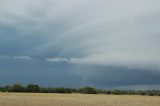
[{"x": 86, "y": 33}]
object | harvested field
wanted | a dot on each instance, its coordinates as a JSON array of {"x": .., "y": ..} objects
[{"x": 30, "y": 99}]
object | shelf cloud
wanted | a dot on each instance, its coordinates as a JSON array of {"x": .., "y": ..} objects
[{"x": 83, "y": 34}]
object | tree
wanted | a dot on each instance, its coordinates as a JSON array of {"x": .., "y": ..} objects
[
  {"x": 17, "y": 88},
  {"x": 32, "y": 88},
  {"x": 88, "y": 90}
]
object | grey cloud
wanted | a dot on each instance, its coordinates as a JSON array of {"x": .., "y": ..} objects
[
  {"x": 84, "y": 32},
  {"x": 16, "y": 57},
  {"x": 140, "y": 87},
  {"x": 39, "y": 72},
  {"x": 112, "y": 77}
]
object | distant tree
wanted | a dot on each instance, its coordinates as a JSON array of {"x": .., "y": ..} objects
[
  {"x": 17, "y": 88},
  {"x": 2, "y": 89},
  {"x": 62, "y": 90},
  {"x": 88, "y": 90},
  {"x": 32, "y": 88},
  {"x": 45, "y": 90},
  {"x": 5, "y": 89},
  {"x": 117, "y": 92},
  {"x": 108, "y": 92}
]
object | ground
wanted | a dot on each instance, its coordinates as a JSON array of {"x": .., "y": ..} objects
[{"x": 39, "y": 99}]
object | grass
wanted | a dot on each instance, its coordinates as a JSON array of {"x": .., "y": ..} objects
[{"x": 39, "y": 99}]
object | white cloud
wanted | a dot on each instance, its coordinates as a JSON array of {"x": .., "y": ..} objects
[
  {"x": 133, "y": 60},
  {"x": 22, "y": 57},
  {"x": 122, "y": 59},
  {"x": 57, "y": 59}
]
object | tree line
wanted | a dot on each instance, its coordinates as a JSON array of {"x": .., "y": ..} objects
[{"x": 34, "y": 88}]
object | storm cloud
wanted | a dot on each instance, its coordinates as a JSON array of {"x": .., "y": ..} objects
[{"x": 103, "y": 42}]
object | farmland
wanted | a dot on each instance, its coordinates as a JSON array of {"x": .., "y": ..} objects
[{"x": 75, "y": 99}]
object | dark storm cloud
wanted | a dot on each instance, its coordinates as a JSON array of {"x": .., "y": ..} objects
[
  {"x": 111, "y": 76},
  {"x": 104, "y": 41},
  {"x": 39, "y": 72}
]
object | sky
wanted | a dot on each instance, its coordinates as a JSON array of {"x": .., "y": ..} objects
[{"x": 112, "y": 44}]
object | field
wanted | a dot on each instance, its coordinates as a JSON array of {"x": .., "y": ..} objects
[{"x": 26, "y": 99}]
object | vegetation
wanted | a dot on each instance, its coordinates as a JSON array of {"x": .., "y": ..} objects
[
  {"x": 33, "y": 88},
  {"x": 88, "y": 90}
]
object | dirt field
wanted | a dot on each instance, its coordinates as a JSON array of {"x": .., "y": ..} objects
[{"x": 20, "y": 99}]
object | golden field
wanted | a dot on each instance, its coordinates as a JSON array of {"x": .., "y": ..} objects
[{"x": 39, "y": 99}]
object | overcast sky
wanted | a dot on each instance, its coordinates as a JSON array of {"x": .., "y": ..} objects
[{"x": 74, "y": 43}]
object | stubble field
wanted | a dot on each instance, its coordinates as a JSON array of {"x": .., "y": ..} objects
[{"x": 30, "y": 99}]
